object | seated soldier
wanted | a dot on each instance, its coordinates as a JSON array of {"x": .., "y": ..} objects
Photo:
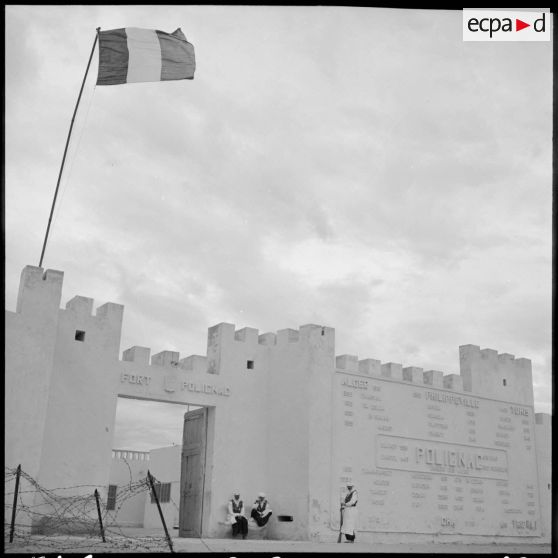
[
  {"x": 236, "y": 516},
  {"x": 261, "y": 512}
]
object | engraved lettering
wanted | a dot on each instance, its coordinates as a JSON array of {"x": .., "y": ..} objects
[{"x": 354, "y": 383}]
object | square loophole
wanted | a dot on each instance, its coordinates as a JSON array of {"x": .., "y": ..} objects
[
  {"x": 250, "y": 364},
  {"x": 80, "y": 335}
]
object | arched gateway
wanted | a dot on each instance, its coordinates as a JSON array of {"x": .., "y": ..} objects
[{"x": 457, "y": 457}]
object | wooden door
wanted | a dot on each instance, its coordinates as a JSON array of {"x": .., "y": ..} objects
[{"x": 192, "y": 473}]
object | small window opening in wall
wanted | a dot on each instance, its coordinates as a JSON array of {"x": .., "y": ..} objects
[
  {"x": 111, "y": 497},
  {"x": 250, "y": 364},
  {"x": 163, "y": 492},
  {"x": 504, "y": 381},
  {"x": 80, "y": 335}
]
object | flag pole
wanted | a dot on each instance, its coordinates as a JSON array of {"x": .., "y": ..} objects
[{"x": 66, "y": 148}]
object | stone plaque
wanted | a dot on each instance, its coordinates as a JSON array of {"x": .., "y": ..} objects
[
  {"x": 431, "y": 456},
  {"x": 428, "y": 460}
]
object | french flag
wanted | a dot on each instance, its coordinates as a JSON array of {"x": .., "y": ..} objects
[{"x": 133, "y": 55}]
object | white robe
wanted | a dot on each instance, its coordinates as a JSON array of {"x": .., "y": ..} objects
[
  {"x": 350, "y": 515},
  {"x": 231, "y": 516}
]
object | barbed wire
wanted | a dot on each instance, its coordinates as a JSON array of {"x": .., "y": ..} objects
[{"x": 52, "y": 520}]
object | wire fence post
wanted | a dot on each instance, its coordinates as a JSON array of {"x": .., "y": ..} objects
[
  {"x": 154, "y": 492},
  {"x": 14, "y": 506},
  {"x": 99, "y": 514}
]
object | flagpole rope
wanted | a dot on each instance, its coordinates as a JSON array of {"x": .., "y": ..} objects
[
  {"x": 66, "y": 148},
  {"x": 72, "y": 158}
]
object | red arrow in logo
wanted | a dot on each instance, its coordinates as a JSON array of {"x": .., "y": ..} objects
[{"x": 519, "y": 25}]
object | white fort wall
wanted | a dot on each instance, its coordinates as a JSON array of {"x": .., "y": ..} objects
[
  {"x": 434, "y": 460},
  {"x": 434, "y": 456},
  {"x": 164, "y": 465},
  {"x": 30, "y": 338},
  {"x": 128, "y": 468}
]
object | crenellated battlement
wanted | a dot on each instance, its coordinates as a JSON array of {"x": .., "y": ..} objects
[
  {"x": 99, "y": 332},
  {"x": 82, "y": 307},
  {"x": 251, "y": 336},
  {"x": 40, "y": 290},
  {"x": 349, "y": 363},
  {"x": 109, "y": 311},
  {"x": 392, "y": 370},
  {"x": 433, "y": 378},
  {"x": 226, "y": 333},
  {"x": 413, "y": 374},
  {"x": 194, "y": 363},
  {"x": 267, "y": 339},
  {"x": 165, "y": 358},
  {"x": 501, "y": 375},
  {"x": 304, "y": 333},
  {"x": 453, "y": 382},
  {"x": 287, "y": 335},
  {"x": 139, "y": 355},
  {"x": 38, "y": 304},
  {"x": 247, "y": 349},
  {"x": 484, "y": 372},
  {"x": 247, "y": 335},
  {"x": 396, "y": 371},
  {"x": 370, "y": 367},
  {"x": 170, "y": 359}
]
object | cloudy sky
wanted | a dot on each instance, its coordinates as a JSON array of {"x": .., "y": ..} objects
[{"x": 359, "y": 168}]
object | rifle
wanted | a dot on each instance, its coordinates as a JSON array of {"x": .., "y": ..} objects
[{"x": 340, "y": 524}]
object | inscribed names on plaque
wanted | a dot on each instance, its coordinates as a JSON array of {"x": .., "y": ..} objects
[{"x": 429, "y": 460}]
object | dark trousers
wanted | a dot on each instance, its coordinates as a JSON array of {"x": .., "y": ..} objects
[
  {"x": 241, "y": 526},
  {"x": 261, "y": 521}
]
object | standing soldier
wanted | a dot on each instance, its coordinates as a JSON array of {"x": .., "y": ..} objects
[{"x": 350, "y": 513}]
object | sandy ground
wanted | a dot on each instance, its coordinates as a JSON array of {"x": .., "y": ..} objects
[
  {"x": 226, "y": 545},
  {"x": 157, "y": 543}
]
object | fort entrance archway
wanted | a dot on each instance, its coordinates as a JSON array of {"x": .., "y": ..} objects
[{"x": 166, "y": 440}]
